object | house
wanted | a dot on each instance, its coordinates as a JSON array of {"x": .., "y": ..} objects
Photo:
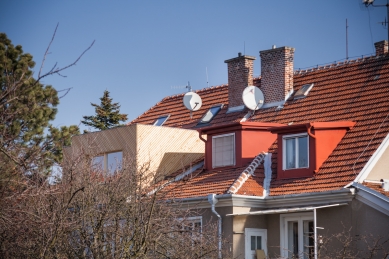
[
  {"x": 311, "y": 163},
  {"x": 135, "y": 145}
]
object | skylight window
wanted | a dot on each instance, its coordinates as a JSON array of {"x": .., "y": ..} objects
[
  {"x": 303, "y": 91},
  {"x": 161, "y": 120},
  {"x": 210, "y": 114}
]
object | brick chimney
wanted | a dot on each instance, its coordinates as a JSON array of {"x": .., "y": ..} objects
[
  {"x": 240, "y": 75},
  {"x": 276, "y": 73},
  {"x": 381, "y": 47}
]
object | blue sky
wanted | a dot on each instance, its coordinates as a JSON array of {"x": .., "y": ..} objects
[{"x": 146, "y": 50}]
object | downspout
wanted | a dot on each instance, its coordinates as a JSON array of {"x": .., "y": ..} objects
[
  {"x": 205, "y": 141},
  {"x": 315, "y": 232},
  {"x": 212, "y": 200},
  {"x": 314, "y": 137},
  {"x": 314, "y": 210}
]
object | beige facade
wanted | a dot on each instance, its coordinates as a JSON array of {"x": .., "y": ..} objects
[{"x": 161, "y": 149}]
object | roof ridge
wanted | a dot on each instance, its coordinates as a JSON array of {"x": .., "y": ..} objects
[
  {"x": 246, "y": 173},
  {"x": 335, "y": 64}
]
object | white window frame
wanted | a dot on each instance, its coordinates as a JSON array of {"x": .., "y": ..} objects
[
  {"x": 233, "y": 150},
  {"x": 293, "y": 136},
  {"x": 248, "y": 232},
  {"x": 284, "y": 219}
]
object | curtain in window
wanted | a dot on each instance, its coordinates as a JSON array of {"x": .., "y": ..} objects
[
  {"x": 223, "y": 151},
  {"x": 290, "y": 153}
]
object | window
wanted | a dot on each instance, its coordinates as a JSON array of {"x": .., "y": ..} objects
[
  {"x": 297, "y": 236},
  {"x": 210, "y": 114},
  {"x": 161, "y": 120},
  {"x": 295, "y": 151},
  {"x": 303, "y": 91},
  {"x": 223, "y": 150},
  {"x": 109, "y": 162}
]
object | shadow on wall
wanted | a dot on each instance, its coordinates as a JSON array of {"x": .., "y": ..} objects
[{"x": 177, "y": 163}]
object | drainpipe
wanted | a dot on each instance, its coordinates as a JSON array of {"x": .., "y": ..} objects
[
  {"x": 205, "y": 141},
  {"x": 314, "y": 137},
  {"x": 315, "y": 231},
  {"x": 212, "y": 200}
]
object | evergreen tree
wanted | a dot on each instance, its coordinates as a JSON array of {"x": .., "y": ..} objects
[
  {"x": 107, "y": 114},
  {"x": 29, "y": 144}
]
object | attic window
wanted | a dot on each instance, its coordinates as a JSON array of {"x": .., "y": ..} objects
[
  {"x": 303, "y": 91},
  {"x": 223, "y": 150},
  {"x": 161, "y": 120},
  {"x": 295, "y": 151},
  {"x": 210, "y": 114}
]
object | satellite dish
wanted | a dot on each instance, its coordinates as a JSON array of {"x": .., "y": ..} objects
[
  {"x": 192, "y": 101},
  {"x": 253, "y": 98}
]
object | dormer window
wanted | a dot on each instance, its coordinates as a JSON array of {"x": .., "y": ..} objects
[
  {"x": 303, "y": 148},
  {"x": 210, "y": 114},
  {"x": 161, "y": 120},
  {"x": 295, "y": 151},
  {"x": 223, "y": 150}
]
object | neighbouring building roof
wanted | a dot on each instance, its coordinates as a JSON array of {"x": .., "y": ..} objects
[{"x": 355, "y": 90}]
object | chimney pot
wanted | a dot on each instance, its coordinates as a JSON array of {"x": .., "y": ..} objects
[
  {"x": 273, "y": 47},
  {"x": 381, "y": 47}
]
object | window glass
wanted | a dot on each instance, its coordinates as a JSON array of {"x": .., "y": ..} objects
[
  {"x": 256, "y": 243},
  {"x": 210, "y": 114},
  {"x": 223, "y": 150},
  {"x": 98, "y": 163},
  {"x": 309, "y": 239},
  {"x": 303, "y": 151},
  {"x": 290, "y": 153},
  {"x": 293, "y": 243},
  {"x": 296, "y": 152},
  {"x": 161, "y": 120},
  {"x": 114, "y": 162}
]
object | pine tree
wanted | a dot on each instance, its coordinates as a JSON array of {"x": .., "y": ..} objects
[
  {"x": 107, "y": 114},
  {"x": 29, "y": 144}
]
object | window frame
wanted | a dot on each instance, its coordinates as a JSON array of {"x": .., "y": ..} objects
[
  {"x": 202, "y": 122},
  {"x": 105, "y": 167},
  {"x": 233, "y": 149},
  {"x": 160, "y": 117},
  {"x": 284, "y": 219},
  {"x": 284, "y": 148}
]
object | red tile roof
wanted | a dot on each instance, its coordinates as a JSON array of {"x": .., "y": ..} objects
[{"x": 343, "y": 92}]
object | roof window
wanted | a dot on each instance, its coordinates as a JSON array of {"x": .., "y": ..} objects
[
  {"x": 303, "y": 91},
  {"x": 210, "y": 114},
  {"x": 161, "y": 120}
]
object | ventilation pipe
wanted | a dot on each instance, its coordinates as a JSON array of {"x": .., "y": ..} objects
[{"x": 212, "y": 200}]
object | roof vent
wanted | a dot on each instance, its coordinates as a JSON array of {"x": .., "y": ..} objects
[
  {"x": 303, "y": 91},
  {"x": 273, "y": 47}
]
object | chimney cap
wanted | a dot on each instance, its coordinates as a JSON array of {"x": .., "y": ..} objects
[
  {"x": 240, "y": 56},
  {"x": 284, "y": 48}
]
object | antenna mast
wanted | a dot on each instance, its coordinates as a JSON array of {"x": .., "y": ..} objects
[
  {"x": 346, "y": 40},
  {"x": 386, "y": 22}
]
